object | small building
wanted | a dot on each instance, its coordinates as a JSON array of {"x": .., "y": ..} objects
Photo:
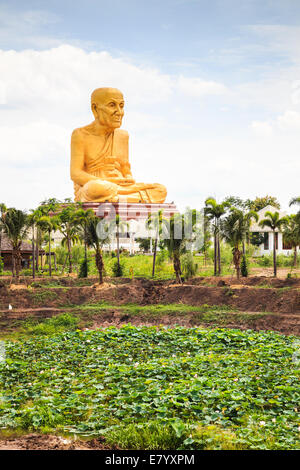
[
  {"x": 6, "y": 253},
  {"x": 266, "y": 248}
]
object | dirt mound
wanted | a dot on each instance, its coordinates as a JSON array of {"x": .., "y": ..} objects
[
  {"x": 50, "y": 442},
  {"x": 145, "y": 292},
  {"x": 242, "y": 298},
  {"x": 285, "y": 324},
  {"x": 254, "y": 281}
]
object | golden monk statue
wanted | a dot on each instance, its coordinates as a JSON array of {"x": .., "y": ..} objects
[{"x": 100, "y": 167}]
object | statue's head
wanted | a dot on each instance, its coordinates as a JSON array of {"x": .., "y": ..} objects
[{"x": 108, "y": 107}]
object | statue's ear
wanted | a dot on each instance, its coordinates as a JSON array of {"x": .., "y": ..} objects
[{"x": 94, "y": 109}]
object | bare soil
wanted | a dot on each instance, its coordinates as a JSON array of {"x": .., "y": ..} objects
[
  {"x": 254, "y": 294},
  {"x": 268, "y": 303},
  {"x": 50, "y": 442}
]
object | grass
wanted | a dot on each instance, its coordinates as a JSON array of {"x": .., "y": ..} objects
[
  {"x": 42, "y": 297},
  {"x": 31, "y": 327},
  {"x": 83, "y": 316},
  {"x": 154, "y": 436},
  {"x": 154, "y": 309}
]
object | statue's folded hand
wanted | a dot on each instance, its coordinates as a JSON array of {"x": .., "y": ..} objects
[
  {"x": 111, "y": 163},
  {"x": 134, "y": 188}
]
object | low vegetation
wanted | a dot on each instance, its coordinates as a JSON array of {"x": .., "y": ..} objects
[{"x": 155, "y": 388}]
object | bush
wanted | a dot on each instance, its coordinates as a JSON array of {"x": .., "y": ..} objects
[
  {"x": 117, "y": 269},
  {"x": 54, "y": 325},
  {"x": 226, "y": 254},
  {"x": 84, "y": 268},
  {"x": 244, "y": 267},
  {"x": 26, "y": 272},
  {"x": 281, "y": 260},
  {"x": 1, "y": 265},
  {"x": 265, "y": 261},
  {"x": 161, "y": 257},
  {"x": 189, "y": 268}
]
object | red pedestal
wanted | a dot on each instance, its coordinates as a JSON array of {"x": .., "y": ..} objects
[{"x": 129, "y": 211}]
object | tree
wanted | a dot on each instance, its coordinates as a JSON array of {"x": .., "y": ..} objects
[
  {"x": 295, "y": 200},
  {"x": 214, "y": 212},
  {"x": 256, "y": 238},
  {"x": 291, "y": 233},
  {"x": 144, "y": 243},
  {"x": 155, "y": 222},
  {"x": 82, "y": 216},
  {"x": 261, "y": 202},
  {"x": 206, "y": 238},
  {"x": 47, "y": 208},
  {"x": 15, "y": 224},
  {"x": 48, "y": 224},
  {"x": 274, "y": 222},
  {"x": 175, "y": 238},
  {"x": 68, "y": 226},
  {"x": 3, "y": 209},
  {"x": 96, "y": 242},
  {"x": 234, "y": 229},
  {"x": 120, "y": 226},
  {"x": 34, "y": 217},
  {"x": 237, "y": 202}
]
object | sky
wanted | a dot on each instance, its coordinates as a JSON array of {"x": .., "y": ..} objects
[{"x": 212, "y": 93}]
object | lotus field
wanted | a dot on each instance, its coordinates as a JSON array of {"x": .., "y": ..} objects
[{"x": 156, "y": 387}]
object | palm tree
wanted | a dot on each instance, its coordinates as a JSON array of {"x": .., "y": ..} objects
[
  {"x": 96, "y": 242},
  {"x": 48, "y": 224},
  {"x": 214, "y": 211},
  {"x": 295, "y": 200},
  {"x": 155, "y": 222},
  {"x": 68, "y": 226},
  {"x": 175, "y": 238},
  {"x": 3, "y": 209},
  {"x": 120, "y": 225},
  {"x": 37, "y": 235},
  {"x": 291, "y": 233},
  {"x": 234, "y": 229},
  {"x": 82, "y": 216},
  {"x": 274, "y": 222},
  {"x": 15, "y": 224}
]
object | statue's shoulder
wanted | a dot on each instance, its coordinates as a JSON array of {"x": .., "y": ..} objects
[
  {"x": 120, "y": 134},
  {"x": 82, "y": 132}
]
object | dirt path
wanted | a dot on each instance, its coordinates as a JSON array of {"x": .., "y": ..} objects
[{"x": 50, "y": 442}]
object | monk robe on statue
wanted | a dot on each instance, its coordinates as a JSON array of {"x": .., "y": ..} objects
[{"x": 100, "y": 167}]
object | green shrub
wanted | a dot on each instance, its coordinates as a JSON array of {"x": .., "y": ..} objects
[
  {"x": 265, "y": 261},
  {"x": 161, "y": 257},
  {"x": 118, "y": 269},
  {"x": 26, "y": 272},
  {"x": 244, "y": 267},
  {"x": 1, "y": 265},
  {"x": 51, "y": 326},
  {"x": 189, "y": 267},
  {"x": 84, "y": 268},
  {"x": 281, "y": 260},
  {"x": 150, "y": 436}
]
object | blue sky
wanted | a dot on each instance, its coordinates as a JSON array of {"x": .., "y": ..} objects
[{"x": 211, "y": 88}]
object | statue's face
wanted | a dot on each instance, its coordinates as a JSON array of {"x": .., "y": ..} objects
[{"x": 109, "y": 111}]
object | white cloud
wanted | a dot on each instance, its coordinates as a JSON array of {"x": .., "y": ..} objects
[
  {"x": 263, "y": 129},
  {"x": 199, "y": 88},
  {"x": 290, "y": 120}
]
